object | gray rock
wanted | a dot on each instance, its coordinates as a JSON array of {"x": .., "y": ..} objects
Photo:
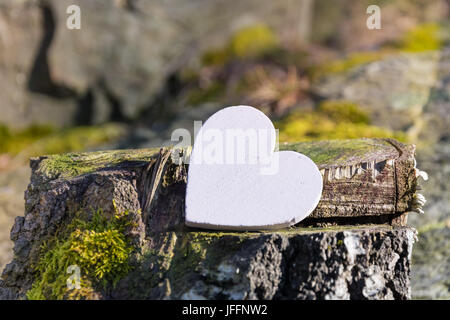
[
  {"x": 411, "y": 92},
  {"x": 395, "y": 89},
  {"x": 115, "y": 66},
  {"x": 23, "y": 36},
  {"x": 430, "y": 264}
]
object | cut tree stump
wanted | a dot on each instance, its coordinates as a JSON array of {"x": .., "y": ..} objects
[
  {"x": 373, "y": 180},
  {"x": 363, "y": 178},
  {"x": 367, "y": 182}
]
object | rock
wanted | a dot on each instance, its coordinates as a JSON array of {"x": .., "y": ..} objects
[
  {"x": 22, "y": 35},
  {"x": 430, "y": 260},
  {"x": 171, "y": 261},
  {"x": 120, "y": 61},
  {"x": 412, "y": 92},
  {"x": 116, "y": 65},
  {"x": 435, "y": 113},
  {"x": 395, "y": 89},
  {"x": 12, "y": 185},
  {"x": 430, "y": 263}
]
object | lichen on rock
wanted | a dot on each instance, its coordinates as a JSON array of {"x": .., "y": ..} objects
[{"x": 333, "y": 119}]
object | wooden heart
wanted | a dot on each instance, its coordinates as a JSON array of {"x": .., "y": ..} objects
[{"x": 237, "y": 182}]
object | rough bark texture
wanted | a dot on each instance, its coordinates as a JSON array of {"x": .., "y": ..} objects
[
  {"x": 171, "y": 261},
  {"x": 370, "y": 262},
  {"x": 364, "y": 177}
]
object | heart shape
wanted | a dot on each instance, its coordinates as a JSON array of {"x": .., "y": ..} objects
[{"x": 237, "y": 182}]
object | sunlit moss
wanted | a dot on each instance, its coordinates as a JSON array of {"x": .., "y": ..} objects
[
  {"x": 51, "y": 279},
  {"x": 347, "y": 63},
  {"x": 253, "y": 41},
  {"x": 76, "y": 139},
  {"x": 337, "y": 152},
  {"x": 97, "y": 246},
  {"x": 15, "y": 141},
  {"x": 332, "y": 120},
  {"x": 343, "y": 111},
  {"x": 422, "y": 38},
  {"x": 425, "y": 37},
  {"x": 38, "y": 140},
  {"x": 74, "y": 164},
  {"x": 250, "y": 42}
]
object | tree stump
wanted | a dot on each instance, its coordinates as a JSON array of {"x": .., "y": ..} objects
[{"x": 355, "y": 245}]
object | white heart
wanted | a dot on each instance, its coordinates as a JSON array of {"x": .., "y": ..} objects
[{"x": 230, "y": 195}]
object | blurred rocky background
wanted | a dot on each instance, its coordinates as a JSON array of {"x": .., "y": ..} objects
[{"x": 137, "y": 70}]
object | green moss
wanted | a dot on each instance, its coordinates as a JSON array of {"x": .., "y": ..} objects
[
  {"x": 322, "y": 152},
  {"x": 97, "y": 245},
  {"x": 183, "y": 256},
  {"x": 250, "y": 42},
  {"x": 422, "y": 38},
  {"x": 51, "y": 269},
  {"x": 425, "y": 37},
  {"x": 253, "y": 41},
  {"x": 37, "y": 140},
  {"x": 336, "y": 152},
  {"x": 342, "y": 65},
  {"x": 332, "y": 120},
  {"x": 344, "y": 111},
  {"x": 15, "y": 141},
  {"x": 75, "y": 164}
]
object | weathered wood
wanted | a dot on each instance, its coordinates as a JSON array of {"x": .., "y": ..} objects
[{"x": 362, "y": 177}]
